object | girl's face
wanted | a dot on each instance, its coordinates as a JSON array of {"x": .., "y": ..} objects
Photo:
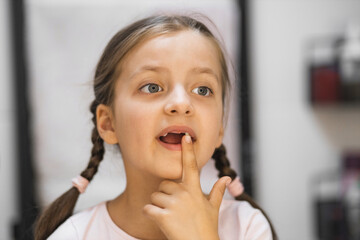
[{"x": 172, "y": 80}]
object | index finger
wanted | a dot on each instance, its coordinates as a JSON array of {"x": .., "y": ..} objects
[{"x": 190, "y": 174}]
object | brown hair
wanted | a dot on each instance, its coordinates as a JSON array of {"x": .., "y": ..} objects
[
  {"x": 222, "y": 164},
  {"x": 105, "y": 77}
]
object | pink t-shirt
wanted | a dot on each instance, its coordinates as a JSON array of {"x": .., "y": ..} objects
[{"x": 238, "y": 220}]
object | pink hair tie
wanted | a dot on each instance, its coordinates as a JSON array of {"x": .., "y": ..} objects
[
  {"x": 80, "y": 183},
  {"x": 235, "y": 188}
]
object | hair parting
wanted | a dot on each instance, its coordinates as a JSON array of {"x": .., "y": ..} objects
[{"x": 222, "y": 164}]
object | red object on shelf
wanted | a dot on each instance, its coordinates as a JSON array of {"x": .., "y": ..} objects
[{"x": 325, "y": 85}]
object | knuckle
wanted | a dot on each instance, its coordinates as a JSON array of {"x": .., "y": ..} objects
[
  {"x": 147, "y": 210},
  {"x": 172, "y": 202},
  {"x": 164, "y": 184},
  {"x": 176, "y": 203},
  {"x": 184, "y": 195},
  {"x": 163, "y": 217},
  {"x": 153, "y": 196},
  {"x": 192, "y": 164}
]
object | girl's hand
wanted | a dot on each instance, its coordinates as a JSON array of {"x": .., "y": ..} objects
[{"x": 180, "y": 209}]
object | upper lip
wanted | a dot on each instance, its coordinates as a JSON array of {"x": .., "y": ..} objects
[{"x": 178, "y": 129}]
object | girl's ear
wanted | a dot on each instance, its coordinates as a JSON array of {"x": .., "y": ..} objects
[
  {"x": 105, "y": 124},
  {"x": 220, "y": 138}
]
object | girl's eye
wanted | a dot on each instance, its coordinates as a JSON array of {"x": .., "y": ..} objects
[
  {"x": 151, "y": 88},
  {"x": 203, "y": 91}
]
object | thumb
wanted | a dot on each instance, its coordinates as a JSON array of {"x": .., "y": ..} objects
[{"x": 218, "y": 190}]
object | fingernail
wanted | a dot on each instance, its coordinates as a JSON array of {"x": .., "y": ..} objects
[{"x": 187, "y": 138}]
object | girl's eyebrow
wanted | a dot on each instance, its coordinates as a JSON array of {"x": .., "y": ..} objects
[
  {"x": 206, "y": 70},
  {"x": 195, "y": 70},
  {"x": 148, "y": 68}
]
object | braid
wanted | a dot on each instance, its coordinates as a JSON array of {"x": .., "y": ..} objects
[
  {"x": 222, "y": 164},
  {"x": 63, "y": 207},
  {"x": 97, "y": 151}
]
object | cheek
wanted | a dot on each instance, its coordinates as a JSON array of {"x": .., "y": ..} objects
[
  {"x": 133, "y": 123},
  {"x": 210, "y": 136}
]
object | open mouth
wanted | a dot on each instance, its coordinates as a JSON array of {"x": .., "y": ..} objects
[
  {"x": 172, "y": 138},
  {"x": 172, "y": 141}
]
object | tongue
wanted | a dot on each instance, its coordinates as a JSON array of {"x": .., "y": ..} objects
[{"x": 172, "y": 138}]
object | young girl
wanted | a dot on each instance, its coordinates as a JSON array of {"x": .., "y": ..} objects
[{"x": 160, "y": 90}]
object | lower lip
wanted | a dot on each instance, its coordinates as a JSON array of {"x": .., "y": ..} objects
[{"x": 171, "y": 147}]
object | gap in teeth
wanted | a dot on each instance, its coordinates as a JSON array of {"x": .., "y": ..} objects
[{"x": 175, "y": 133}]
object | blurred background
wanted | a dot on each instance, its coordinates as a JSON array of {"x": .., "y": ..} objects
[{"x": 294, "y": 127}]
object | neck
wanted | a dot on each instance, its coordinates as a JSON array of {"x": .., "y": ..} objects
[{"x": 126, "y": 209}]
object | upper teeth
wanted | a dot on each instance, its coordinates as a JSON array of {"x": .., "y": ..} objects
[{"x": 174, "y": 132}]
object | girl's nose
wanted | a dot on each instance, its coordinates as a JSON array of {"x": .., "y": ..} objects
[{"x": 179, "y": 102}]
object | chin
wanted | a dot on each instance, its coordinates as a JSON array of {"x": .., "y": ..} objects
[{"x": 171, "y": 173}]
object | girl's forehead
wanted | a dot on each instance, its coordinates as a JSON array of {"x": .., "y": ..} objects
[{"x": 179, "y": 50}]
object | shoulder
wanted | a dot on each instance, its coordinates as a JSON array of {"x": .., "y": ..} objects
[
  {"x": 75, "y": 226},
  {"x": 239, "y": 220}
]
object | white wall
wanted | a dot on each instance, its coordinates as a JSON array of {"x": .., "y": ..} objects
[
  {"x": 8, "y": 183},
  {"x": 294, "y": 141}
]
